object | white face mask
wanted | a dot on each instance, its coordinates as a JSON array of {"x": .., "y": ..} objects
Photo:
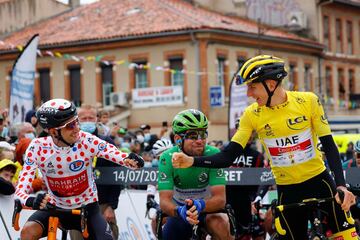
[
  {"x": 140, "y": 138},
  {"x": 30, "y": 135},
  {"x": 147, "y": 164}
]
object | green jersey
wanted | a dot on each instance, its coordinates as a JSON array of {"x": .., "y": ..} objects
[{"x": 193, "y": 182}]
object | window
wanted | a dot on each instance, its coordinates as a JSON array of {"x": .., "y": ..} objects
[
  {"x": 293, "y": 84},
  {"x": 338, "y": 30},
  {"x": 326, "y": 33},
  {"x": 177, "y": 77},
  {"x": 328, "y": 82},
  {"x": 221, "y": 71},
  {"x": 349, "y": 36},
  {"x": 351, "y": 81},
  {"x": 75, "y": 84},
  {"x": 341, "y": 81},
  {"x": 106, "y": 82},
  {"x": 44, "y": 77},
  {"x": 140, "y": 72},
  {"x": 307, "y": 77},
  {"x": 241, "y": 60}
]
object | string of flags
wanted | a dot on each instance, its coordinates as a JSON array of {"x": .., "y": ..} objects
[
  {"x": 132, "y": 65},
  {"x": 99, "y": 58}
]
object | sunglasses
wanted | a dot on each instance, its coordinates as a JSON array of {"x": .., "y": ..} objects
[
  {"x": 70, "y": 125},
  {"x": 195, "y": 135}
]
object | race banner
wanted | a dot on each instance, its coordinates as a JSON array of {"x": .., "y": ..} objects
[
  {"x": 22, "y": 82},
  {"x": 157, "y": 96},
  {"x": 237, "y": 104},
  {"x": 234, "y": 176}
]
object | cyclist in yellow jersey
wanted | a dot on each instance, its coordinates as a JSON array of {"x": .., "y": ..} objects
[{"x": 288, "y": 124}]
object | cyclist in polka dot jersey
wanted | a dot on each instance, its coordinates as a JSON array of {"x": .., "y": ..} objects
[{"x": 64, "y": 159}]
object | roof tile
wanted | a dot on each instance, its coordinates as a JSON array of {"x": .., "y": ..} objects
[{"x": 110, "y": 19}]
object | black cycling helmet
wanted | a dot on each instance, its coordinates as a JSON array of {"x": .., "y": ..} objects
[
  {"x": 55, "y": 113},
  {"x": 261, "y": 68}
]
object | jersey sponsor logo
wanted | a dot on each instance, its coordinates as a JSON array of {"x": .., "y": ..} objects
[
  {"x": 101, "y": 146},
  {"x": 50, "y": 165},
  {"x": 220, "y": 172},
  {"x": 269, "y": 131},
  {"x": 29, "y": 161},
  {"x": 300, "y": 100},
  {"x": 163, "y": 176},
  {"x": 69, "y": 186},
  {"x": 266, "y": 176},
  {"x": 297, "y": 123},
  {"x": 76, "y": 166},
  {"x": 244, "y": 161},
  {"x": 203, "y": 177}
]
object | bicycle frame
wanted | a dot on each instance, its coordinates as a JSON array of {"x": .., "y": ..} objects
[
  {"x": 53, "y": 219},
  {"x": 312, "y": 204}
]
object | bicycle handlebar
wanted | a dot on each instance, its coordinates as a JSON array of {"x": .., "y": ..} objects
[
  {"x": 53, "y": 211},
  {"x": 310, "y": 203}
]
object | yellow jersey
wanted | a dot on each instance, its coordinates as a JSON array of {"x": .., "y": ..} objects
[{"x": 289, "y": 133}]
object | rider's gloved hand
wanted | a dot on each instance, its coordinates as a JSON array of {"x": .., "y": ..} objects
[
  {"x": 150, "y": 201},
  {"x": 35, "y": 202},
  {"x": 199, "y": 204},
  {"x": 181, "y": 211},
  {"x": 138, "y": 159}
]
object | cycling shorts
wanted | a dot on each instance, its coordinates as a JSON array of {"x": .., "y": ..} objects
[
  {"x": 97, "y": 226},
  {"x": 295, "y": 221}
]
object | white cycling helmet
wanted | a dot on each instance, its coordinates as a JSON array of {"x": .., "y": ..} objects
[
  {"x": 160, "y": 146},
  {"x": 357, "y": 146}
]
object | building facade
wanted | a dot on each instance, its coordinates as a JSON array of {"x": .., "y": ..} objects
[{"x": 111, "y": 46}]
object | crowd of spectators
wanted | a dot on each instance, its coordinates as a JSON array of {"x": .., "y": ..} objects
[{"x": 15, "y": 138}]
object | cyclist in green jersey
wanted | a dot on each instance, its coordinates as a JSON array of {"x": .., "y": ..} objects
[{"x": 187, "y": 195}]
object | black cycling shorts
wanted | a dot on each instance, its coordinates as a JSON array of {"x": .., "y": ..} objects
[
  {"x": 295, "y": 221},
  {"x": 97, "y": 226}
]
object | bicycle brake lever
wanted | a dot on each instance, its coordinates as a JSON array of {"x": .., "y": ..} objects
[{"x": 16, "y": 215}]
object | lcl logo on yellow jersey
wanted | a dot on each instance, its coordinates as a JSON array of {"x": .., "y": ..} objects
[{"x": 297, "y": 123}]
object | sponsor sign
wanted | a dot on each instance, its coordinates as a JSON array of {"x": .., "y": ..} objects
[{"x": 157, "y": 96}]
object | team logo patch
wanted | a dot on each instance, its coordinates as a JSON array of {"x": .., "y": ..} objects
[
  {"x": 101, "y": 146},
  {"x": 76, "y": 166},
  {"x": 163, "y": 176},
  {"x": 29, "y": 161},
  {"x": 220, "y": 172},
  {"x": 203, "y": 177}
]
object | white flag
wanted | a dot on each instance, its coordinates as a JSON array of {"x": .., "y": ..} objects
[{"x": 22, "y": 82}]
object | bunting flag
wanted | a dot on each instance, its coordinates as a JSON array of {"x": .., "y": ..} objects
[
  {"x": 22, "y": 81},
  {"x": 238, "y": 101}
]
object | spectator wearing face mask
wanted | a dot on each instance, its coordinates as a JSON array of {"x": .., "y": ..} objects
[
  {"x": 26, "y": 131},
  {"x": 4, "y": 131},
  {"x": 31, "y": 118},
  {"x": 149, "y": 139}
]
